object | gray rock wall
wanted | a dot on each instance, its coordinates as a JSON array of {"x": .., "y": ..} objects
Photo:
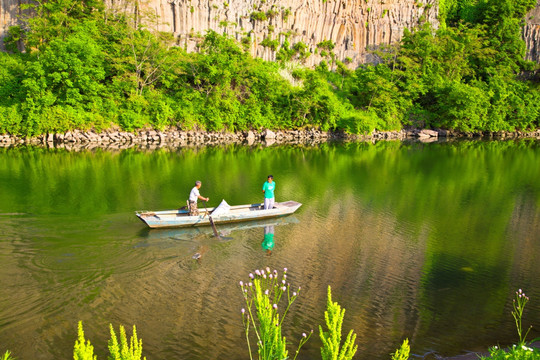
[
  {"x": 10, "y": 13},
  {"x": 352, "y": 25},
  {"x": 531, "y": 34}
]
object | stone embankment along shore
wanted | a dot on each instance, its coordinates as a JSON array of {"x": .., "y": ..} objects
[{"x": 156, "y": 138}]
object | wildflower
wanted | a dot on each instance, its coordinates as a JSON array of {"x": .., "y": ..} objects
[
  {"x": 294, "y": 293},
  {"x": 271, "y": 276},
  {"x": 266, "y": 292},
  {"x": 250, "y": 284},
  {"x": 268, "y": 269},
  {"x": 243, "y": 311},
  {"x": 274, "y": 306},
  {"x": 284, "y": 276},
  {"x": 283, "y": 288},
  {"x": 258, "y": 272},
  {"x": 245, "y": 290},
  {"x": 241, "y": 283},
  {"x": 304, "y": 335},
  {"x": 275, "y": 272},
  {"x": 284, "y": 269},
  {"x": 264, "y": 276},
  {"x": 283, "y": 282},
  {"x": 251, "y": 275}
]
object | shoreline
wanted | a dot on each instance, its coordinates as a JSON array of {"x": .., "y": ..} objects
[{"x": 153, "y": 139}]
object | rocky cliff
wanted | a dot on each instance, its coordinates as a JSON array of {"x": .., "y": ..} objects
[
  {"x": 347, "y": 28},
  {"x": 350, "y": 27},
  {"x": 531, "y": 33},
  {"x": 10, "y": 13}
]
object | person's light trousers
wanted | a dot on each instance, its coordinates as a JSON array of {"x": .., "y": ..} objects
[{"x": 268, "y": 203}]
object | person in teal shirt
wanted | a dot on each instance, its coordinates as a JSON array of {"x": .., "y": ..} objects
[{"x": 268, "y": 190}]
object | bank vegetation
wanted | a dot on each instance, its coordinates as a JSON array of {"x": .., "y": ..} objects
[{"x": 86, "y": 67}]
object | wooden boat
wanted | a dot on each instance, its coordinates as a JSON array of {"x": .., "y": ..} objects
[{"x": 181, "y": 218}]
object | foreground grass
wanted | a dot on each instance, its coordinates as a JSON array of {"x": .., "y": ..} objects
[
  {"x": 262, "y": 294},
  {"x": 523, "y": 349}
]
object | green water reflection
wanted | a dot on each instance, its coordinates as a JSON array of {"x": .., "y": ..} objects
[{"x": 425, "y": 241}]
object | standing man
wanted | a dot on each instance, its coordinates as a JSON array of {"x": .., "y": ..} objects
[
  {"x": 268, "y": 190},
  {"x": 193, "y": 196}
]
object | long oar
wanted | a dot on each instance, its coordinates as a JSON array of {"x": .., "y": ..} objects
[{"x": 216, "y": 234}]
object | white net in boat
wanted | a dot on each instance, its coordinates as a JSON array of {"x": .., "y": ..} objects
[{"x": 222, "y": 208}]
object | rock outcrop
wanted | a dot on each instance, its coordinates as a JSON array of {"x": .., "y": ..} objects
[
  {"x": 347, "y": 28},
  {"x": 175, "y": 138},
  {"x": 10, "y": 14},
  {"x": 531, "y": 34}
]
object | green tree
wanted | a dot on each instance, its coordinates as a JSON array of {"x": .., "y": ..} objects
[
  {"x": 52, "y": 19},
  {"x": 462, "y": 107},
  {"x": 375, "y": 88},
  {"x": 68, "y": 73},
  {"x": 70, "y": 69}
]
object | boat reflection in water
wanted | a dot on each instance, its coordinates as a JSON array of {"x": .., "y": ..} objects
[
  {"x": 224, "y": 229},
  {"x": 186, "y": 237},
  {"x": 194, "y": 243}
]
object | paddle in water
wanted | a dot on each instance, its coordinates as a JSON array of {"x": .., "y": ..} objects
[{"x": 216, "y": 233}]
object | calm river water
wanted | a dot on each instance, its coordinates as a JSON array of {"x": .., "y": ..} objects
[{"x": 421, "y": 241}]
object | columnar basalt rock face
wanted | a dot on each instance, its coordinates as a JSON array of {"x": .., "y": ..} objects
[
  {"x": 352, "y": 26},
  {"x": 531, "y": 34},
  {"x": 10, "y": 13}
]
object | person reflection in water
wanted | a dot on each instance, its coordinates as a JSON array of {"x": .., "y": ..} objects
[{"x": 268, "y": 241}]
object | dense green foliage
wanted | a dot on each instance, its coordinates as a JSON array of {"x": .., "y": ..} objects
[
  {"x": 463, "y": 76},
  {"x": 85, "y": 67}
]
